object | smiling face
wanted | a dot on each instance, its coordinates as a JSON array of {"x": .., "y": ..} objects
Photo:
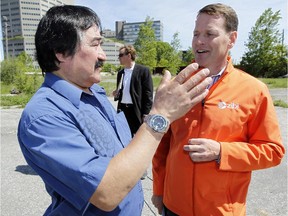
[
  {"x": 82, "y": 68},
  {"x": 211, "y": 42}
]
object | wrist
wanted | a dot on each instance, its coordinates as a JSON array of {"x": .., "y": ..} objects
[{"x": 158, "y": 123}]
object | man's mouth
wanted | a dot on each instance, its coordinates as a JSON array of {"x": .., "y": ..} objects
[{"x": 200, "y": 51}]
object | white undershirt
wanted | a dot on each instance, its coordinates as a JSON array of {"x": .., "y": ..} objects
[{"x": 126, "y": 97}]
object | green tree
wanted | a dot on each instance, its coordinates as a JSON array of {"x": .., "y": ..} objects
[
  {"x": 265, "y": 56},
  {"x": 25, "y": 62},
  {"x": 169, "y": 55},
  {"x": 187, "y": 56},
  {"x": 176, "y": 60},
  {"x": 175, "y": 43},
  {"x": 145, "y": 45},
  {"x": 164, "y": 54},
  {"x": 27, "y": 79}
]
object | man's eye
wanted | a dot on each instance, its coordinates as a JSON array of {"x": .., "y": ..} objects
[{"x": 97, "y": 42}]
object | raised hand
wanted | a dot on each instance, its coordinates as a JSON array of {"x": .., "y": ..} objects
[{"x": 175, "y": 97}]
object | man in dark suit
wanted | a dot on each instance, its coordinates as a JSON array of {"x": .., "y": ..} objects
[{"x": 134, "y": 88}]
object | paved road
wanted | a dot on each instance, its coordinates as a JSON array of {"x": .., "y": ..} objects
[{"x": 23, "y": 193}]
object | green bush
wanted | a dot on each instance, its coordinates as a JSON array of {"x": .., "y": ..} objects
[
  {"x": 33, "y": 82},
  {"x": 8, "y": 71},
  {"x": 28, "y": 83},
  {"x": 15, "y": 100},
  {"x": 280, "y": 103}
]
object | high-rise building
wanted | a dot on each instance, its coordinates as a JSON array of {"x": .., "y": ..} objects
[
  {"x": 19, "y": 20},
  {"x": 129, "y": 31},
  {"x": 111, "y": 50},
  {"x": 108, "y": 33}
]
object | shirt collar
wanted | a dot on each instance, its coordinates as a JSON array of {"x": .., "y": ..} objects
[
  {"x": 64, "y": 88},
  {"x": 131, "y": 68},
  {"x": 220, "y": 72},
  {"x": 67, "y": 90}
]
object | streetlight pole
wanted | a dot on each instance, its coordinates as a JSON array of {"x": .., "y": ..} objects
[{"x": 6, "y": 35}]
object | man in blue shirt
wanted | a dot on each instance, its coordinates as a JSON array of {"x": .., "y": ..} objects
[{"x": 71, "y": 135}]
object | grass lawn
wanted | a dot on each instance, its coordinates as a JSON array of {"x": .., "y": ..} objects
[{"x": 109, "y": 84}]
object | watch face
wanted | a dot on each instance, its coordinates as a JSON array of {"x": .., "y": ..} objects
[{"x": 159, "y": 123}]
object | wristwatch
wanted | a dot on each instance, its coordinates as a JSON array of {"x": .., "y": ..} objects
[{"x": 157, "y": 122}]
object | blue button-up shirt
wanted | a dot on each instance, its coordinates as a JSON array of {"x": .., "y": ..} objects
[{"x": 69, "y": 137}]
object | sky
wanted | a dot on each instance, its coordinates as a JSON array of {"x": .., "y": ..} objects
[{"x": 179, "y": 16}]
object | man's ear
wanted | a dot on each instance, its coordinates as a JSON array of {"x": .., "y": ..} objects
[
  {"x": 233, "y": 38},
  {"x": 61, "y": 57}
]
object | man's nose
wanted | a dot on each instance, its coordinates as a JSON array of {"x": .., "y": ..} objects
[{"x": 101, "y": 54}]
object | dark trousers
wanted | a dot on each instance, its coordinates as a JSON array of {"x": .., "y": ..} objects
[
  {"x": 131, "y": 117},
  {"x": 168, "y": 212}
]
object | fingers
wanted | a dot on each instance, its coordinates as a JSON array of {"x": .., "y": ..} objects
[
  {"x": 175, "y": 97},
  {"x": 198, "y": 93},
  {"x": 193, "y": 148},
  {"x": 196, "y": 84},
  {"x": 202, "y": 149},
  {"x": 197, "y": 78},
  {"x": 186, "y": 73},
  {"x": 159, "y": 209},
  {"x": 166, "y": 78},
  {"x": 195, "y": 152},
  {"x": 158, "y": 203}
]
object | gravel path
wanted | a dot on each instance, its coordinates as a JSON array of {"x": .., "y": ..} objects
[{"x": 23, "y": 193}]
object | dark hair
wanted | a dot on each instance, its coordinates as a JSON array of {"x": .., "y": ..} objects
[
  {"x": 226, "y": 11},
  {"x": 129, "y": 49},
  {"x": 59, "y": 31}
]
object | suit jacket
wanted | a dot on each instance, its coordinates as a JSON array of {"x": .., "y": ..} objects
[{"x": 141, "y": 90}]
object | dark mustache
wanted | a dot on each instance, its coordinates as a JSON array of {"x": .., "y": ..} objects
[{"x": 99, "y": 64}]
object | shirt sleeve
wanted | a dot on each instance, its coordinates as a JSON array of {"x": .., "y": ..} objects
[
  {"x": 264, "y": 148},
  {"x": 65, "y": 161},
  {"x": 147, "y": 88}
]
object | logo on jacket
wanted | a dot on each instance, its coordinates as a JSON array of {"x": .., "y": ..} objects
[{"x": 224, "y": 105}]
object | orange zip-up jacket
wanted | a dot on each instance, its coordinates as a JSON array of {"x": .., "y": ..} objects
[{"x": 238, "y": 112}]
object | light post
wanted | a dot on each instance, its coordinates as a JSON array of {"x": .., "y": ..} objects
[{"x": 6, "y": 35}]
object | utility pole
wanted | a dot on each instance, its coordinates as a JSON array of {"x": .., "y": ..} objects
[
  {"x": 283, "y": 37},
  {"x": 282, "y": 43},
  {"x": 6, "y": 35}
]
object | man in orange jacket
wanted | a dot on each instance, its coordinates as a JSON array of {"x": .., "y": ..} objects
[{"x": 204, "y": 162}]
